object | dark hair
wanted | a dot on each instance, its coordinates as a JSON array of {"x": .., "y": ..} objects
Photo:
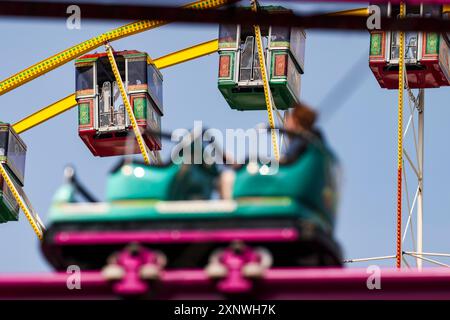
[{"x": 304, "y": 116}]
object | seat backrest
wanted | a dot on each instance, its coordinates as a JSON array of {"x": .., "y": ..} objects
[
  {"x": 170, "y": 182},
  {"x": 309, "y": 179}
]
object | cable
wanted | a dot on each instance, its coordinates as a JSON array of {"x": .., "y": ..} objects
[
  {"x": 35, "y": 223},
  {"x": 134, "y": 124},
  {"x": 267, "y": 93}
]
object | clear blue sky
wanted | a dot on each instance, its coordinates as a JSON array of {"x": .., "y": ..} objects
[{"x": 362, "y": 132}]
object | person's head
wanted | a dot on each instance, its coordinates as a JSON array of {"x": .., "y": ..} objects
[{"x": 301, "y": 117}]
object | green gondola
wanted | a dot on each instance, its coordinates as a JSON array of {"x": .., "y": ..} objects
[
  {"x": 240, "y": 79},
  {"x": 12, "y": 155}
]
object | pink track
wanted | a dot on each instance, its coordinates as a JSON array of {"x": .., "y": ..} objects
[{"x": 289, "y": 283}]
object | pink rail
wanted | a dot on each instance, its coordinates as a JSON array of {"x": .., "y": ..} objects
[
  {"x": 182, "y": 236},
  {"x": 290, "y": 283},
  {"x": 53, "y": 286}
]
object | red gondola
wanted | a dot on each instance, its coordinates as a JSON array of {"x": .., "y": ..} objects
[
  {"x": 103, "y": 123},
  {"x": 426, "y": 53}
]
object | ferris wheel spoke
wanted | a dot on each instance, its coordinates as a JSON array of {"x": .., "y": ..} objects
[
  {"x": 369, "y": 259},
  {"x": 413, "y": 166},
  {"x": 419, "y": 256}
]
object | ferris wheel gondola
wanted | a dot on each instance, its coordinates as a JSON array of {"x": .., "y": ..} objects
[
  {"x": 12, "y": 155},
  {"x": 427, "y": 54},
  {"x": 103, "y": 122},
  {"x": 240, "y": 78}
]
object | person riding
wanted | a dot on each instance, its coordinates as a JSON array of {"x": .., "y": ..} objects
[{"x": 300, "y": 120}]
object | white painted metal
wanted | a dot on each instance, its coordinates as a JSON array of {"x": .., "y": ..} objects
[
  {"x": 420, "y": 165},
  {"x": 369, "y": 259}
]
